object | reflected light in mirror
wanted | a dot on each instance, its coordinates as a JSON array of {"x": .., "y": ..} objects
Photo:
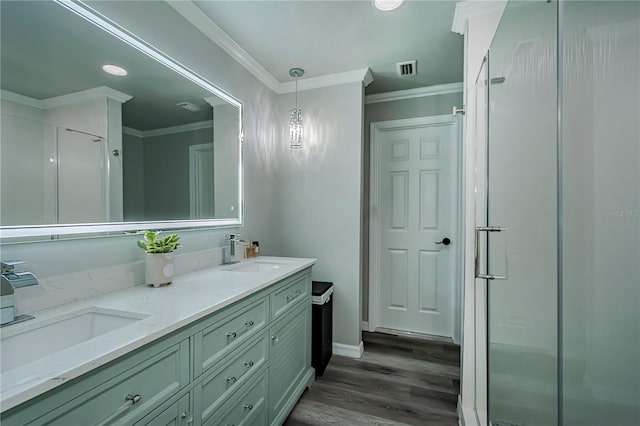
[
  {"x": 132, "y": 124},
  {"x": 114, "y": 70}
]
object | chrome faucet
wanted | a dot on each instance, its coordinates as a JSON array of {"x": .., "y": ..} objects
[
  {"x": 229, "y": 255},
  {"x": 9, "y": 281}
]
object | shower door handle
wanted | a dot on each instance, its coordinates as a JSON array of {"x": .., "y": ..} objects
[{"x": 487, "y": 229}]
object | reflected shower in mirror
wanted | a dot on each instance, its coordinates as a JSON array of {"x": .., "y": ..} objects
[{"x": 81, "y": 145}]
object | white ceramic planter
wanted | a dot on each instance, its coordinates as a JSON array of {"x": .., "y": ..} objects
[{"x": 159, "y": 269}]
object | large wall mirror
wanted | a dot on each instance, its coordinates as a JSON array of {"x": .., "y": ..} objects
[{"x": 85, "y": 151}]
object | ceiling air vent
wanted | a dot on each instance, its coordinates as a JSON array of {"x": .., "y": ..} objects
[
  {"x": 189, "y": 106},
  {"x": 406, "y": 68}
]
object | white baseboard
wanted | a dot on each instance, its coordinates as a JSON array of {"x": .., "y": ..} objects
[
  {"x": 348, "y": 350},
  {"x": 365, "y": 325}
]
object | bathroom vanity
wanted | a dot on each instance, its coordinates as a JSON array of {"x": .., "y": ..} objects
[{"x": 228, "y": 345}]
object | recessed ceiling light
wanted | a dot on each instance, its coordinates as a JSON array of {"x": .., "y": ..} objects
[
  {"x": 387, "y": 5},
  {"x": 114, "y": 70}
]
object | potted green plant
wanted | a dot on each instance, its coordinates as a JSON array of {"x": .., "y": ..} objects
[{"x": 159, "y": 258}]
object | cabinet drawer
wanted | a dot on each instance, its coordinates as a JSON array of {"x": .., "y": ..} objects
[
  {"x": 177, "y": 414},
  {"x": 285, "y": 298},
  {"x": 129, "y": 396},
  {"x": 247, "y": 408},
  {"x": 215, "y": 342},
  {"x": 242, "y": 365}
]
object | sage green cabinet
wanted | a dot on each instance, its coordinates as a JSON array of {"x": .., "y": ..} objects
[
  {"x": 177, "y": 414},
  {"x": 296, "y": 289},
  {"x": 227, "y": 333},
  {"x": 231, "y": 375},
  {"x": 289, "y": 359},
  {"x": 247, "y": 408},
  {"x": 119, "y": 393},
  {"x": 246, "y": 364}
]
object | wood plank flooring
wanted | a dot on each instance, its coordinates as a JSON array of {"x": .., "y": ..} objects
[{"x": 398, "y": 381}]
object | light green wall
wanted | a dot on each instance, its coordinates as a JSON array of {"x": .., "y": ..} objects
[
  {"x": 169, "y": 151},
  {"x": 319, "y": 195}
]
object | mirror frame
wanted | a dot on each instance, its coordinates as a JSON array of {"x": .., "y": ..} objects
[{"x": 84, "y": 11}]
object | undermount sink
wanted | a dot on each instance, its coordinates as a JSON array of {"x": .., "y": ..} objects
[
  {"x": 257, "y": 266},
  {"x": 30, "y": 341}
]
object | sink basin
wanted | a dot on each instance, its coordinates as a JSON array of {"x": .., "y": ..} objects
[
  {"x": 257, "y": 266},
  {"x": 29, "y": 341}
]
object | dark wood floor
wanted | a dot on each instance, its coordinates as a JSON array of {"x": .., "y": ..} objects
[{"x": 398, "y": 380}]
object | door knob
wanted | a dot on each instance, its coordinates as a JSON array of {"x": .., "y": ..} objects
[{"x": 445, "y": 241}]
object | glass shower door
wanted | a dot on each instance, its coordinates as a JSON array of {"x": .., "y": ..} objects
[
  {"x": 521, "y": 237},
  {"x": 600, "y": 196}
]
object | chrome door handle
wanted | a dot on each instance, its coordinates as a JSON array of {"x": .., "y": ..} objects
[
  {"x": 445, "y": 241},
  {"x": 486, "y": 276},
  {"x": 491, "y": 277}
]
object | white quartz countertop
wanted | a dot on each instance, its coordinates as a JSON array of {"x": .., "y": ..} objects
[{"x": 190, "y": 297}]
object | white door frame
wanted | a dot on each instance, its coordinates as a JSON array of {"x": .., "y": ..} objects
[
  {"x": 194, "y": 152},
  {"x": 374, "y": 219}
]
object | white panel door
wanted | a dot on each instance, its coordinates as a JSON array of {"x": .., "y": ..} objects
[
  {"x": 201, "y": 181},
  {"x": 82, "y": 178},
  {"x": 416, "y": 200}
]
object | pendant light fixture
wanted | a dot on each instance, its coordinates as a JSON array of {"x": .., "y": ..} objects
[{"x": 295, "y": 118}]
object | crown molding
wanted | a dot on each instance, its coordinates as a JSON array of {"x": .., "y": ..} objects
[
  {"x": 420, "y": 92},
  {"x": 168, "y": 130},
  {"x": 68, "y": 99},
  {"x": 21, "y": 99},
  {"x": 202, "y": 22},
  {"x": 86, "y": 95},
  {"x": 133, "y": 132},
  {"x": 469, "y": 8},
  {"x": 215, "y": 101},
  {"x": 196, "y": 17},
  {"x": 361, "y": 75}
]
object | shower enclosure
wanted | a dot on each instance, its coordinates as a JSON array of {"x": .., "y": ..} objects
[{"x": 559, "y": 215}]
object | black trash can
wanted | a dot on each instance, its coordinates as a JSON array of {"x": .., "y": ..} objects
[{"x": 322, "y": 325}]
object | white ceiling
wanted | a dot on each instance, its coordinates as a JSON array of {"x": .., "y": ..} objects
[{"x": 327, "y": 37}]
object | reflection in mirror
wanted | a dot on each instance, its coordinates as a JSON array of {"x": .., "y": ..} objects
[{"x": 82, "y": 146}]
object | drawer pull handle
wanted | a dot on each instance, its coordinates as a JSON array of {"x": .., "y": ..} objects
[
  {"x": 290, "y": 298},
  {"x": 234, "y": 334},
  {"x": 275, "y": 339},
  {"x": 247, "y": 408},
  {"x": 234, "y": 379},
  {"x": 129, "y": 401},
  {"x": 187, "y": 417},
  {"x": 133, "y": 398}
]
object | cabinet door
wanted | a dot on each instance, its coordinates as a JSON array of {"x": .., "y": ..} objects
[
  {"x": 178, "y": 414},
  {"x": 289, "y": 356}
]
